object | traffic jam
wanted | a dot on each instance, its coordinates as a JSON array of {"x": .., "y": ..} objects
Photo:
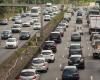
[{"x": 79, "y": 59}]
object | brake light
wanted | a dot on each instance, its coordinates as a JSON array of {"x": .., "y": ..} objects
[
  {"x": 17, "y": 78},
  {"x": 44, "y": 64},
  {"x": 34, "y": 77}
]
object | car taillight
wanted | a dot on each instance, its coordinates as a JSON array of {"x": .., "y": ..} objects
[
  {"x": 17, "y": 78},
  {"x": 34, "y": 77},
  {"x": 44, "y": 64}
]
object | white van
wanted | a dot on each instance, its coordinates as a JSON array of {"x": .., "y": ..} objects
[{"x": 79, "y": 28}]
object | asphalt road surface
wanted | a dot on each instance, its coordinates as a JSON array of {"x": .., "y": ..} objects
[
  {"x": 92, "y": 67},
  {"x": 5, "y": 53}
]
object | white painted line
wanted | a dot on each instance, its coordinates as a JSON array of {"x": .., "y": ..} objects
[
  {"x": 60, "y": 66},
  {"x": 56, "y": 78},
  {"x": 91, "y": 77},
  {"x": 89, "y": 55}
]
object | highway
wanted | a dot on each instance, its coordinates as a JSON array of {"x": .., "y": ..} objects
[
  {"x": 92, "y": 67},
  {"x": 5, "y": 53}
]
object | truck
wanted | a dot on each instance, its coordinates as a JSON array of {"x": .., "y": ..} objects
[{"x": 94, "y": 23}]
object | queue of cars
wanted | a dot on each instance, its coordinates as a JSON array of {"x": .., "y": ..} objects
[
  {"x": 47, "y": 54},
  {"x": 75, "y": 56}
]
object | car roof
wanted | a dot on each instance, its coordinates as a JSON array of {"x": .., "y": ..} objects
[
  {"x": 68, "y": 67},
  {"x": 46, "y": 50},
  {"x": 24, "y": 31},
  {"x": 76, "y": 55},
  {"x": 7, "y": 30},
  {"x": 56, "y": 32},
  {"x": 28, "y": 70},
  {"x": 39, "y": 58},
  {"x": 75, "y": 43},
  {"x": 12, "y": 38},
  {"x": 50, "y": 41},
  {"x": 75, "y": 33}
]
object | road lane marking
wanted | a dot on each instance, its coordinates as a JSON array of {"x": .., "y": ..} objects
[
  {"x": 57, "y": 78},
  {"x": 91, "y": 77}
]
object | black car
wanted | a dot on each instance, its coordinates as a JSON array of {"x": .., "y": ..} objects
[
  {"x": 70, "y": 73},
  {"x": 24, "y": 35},
  {"x": 50, "y": 45},
  {"x": 75, "y": 36},
  {"x": 6, "y": 34},
  {"x": 79, "y": 21},
  {"x": 76, "y": 60},
  {"x": 74, "y": 49},
  {"x": 79, "y": 14},
  {"x": 55, "y": 36}
]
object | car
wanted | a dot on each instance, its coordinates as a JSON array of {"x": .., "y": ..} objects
[
  {"x": 61, "y": 30},
  {"x": 77, "y": 60},
  {"x": 11, "y": 43},
  {"x": 79, "y": 28},
  {"x": 47, "y": 17},
  {"x": 35, "y": 19},
  {"x": 16, "y": 28},
  {"x": 16, "y": 18},
  {"x": 50, "y": 45},
  {"x": 79, "y": 14},
  {"x": 28, "y": 74},
  {"x": 3, "y": 21},
  {"x": 66, "y": 23},
  {"x": 37, "y": 26},
  {"x": 40, "y": 64},
  {"x": 18, "y": 21},
  {"x": 23, "y": 15},
  {"x": 24, "y": 35},
  {"x": 48, "y": 55},
  {"x": 26, "y": 24},
  {"x": 63, "y": 25},
  {"x": 92, "y": 35},
  {"x": 70, "y": 73},
  {"x": 5, "y": 34},
  {"x": 55, "y": 36},
  {"x": 79, "y": 21},
  {"x": 75, "y": 48},
  {"x": 75, "y": 36},
  {"x": 95, "y": 43}
]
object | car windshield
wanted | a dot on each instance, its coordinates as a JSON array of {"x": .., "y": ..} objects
[
  {"x": 38, "y": 61},
  {"x": 75, "y": 58},
  {"x": 75, "y": 47},
  {"x": 5, "y": 32},
  {"x": 27, "y": 73},
  {"x": 37, "y": 24},
  {"x": 69, "y": 71},
  {"x": 24, "y": 33},
  {"x": 61, "y": 24},
  {"x": 11, "y": 40},
  {"x": 46, "y": 53},
  {"x": 48, "y": 43},
  {"x": 97, "y": 42},
  {"x": 54, "y": 35}
]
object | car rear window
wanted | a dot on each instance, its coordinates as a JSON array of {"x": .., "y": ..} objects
[
  {"x": 38, "y": 61},
  {"x": 46, "y": 53},
  {"x": 27, "y": 73},
  {"x": 69, "y": 71}
]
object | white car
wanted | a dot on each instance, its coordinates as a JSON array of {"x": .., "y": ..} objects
[
  {"x": 63, "y": 25},
  {"x": 35, "y": 19},
  {"x": 37, "y": 26},
  {"x": 79, "y": 28},
  {"x": 48, "y": 55},
  {"x": 16, "y": 28},
  {"x": 28, "y": 74},
  {"x": 47, "y": 17},
  {"x": 11, "y": 43},
  {"x": 18, "y": 21},
  {"x": 26, "y": 24},
  {"x": 39, "y": 64}
]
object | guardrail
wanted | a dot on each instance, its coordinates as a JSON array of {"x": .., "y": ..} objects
[{"x": 11, "y": 67}]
